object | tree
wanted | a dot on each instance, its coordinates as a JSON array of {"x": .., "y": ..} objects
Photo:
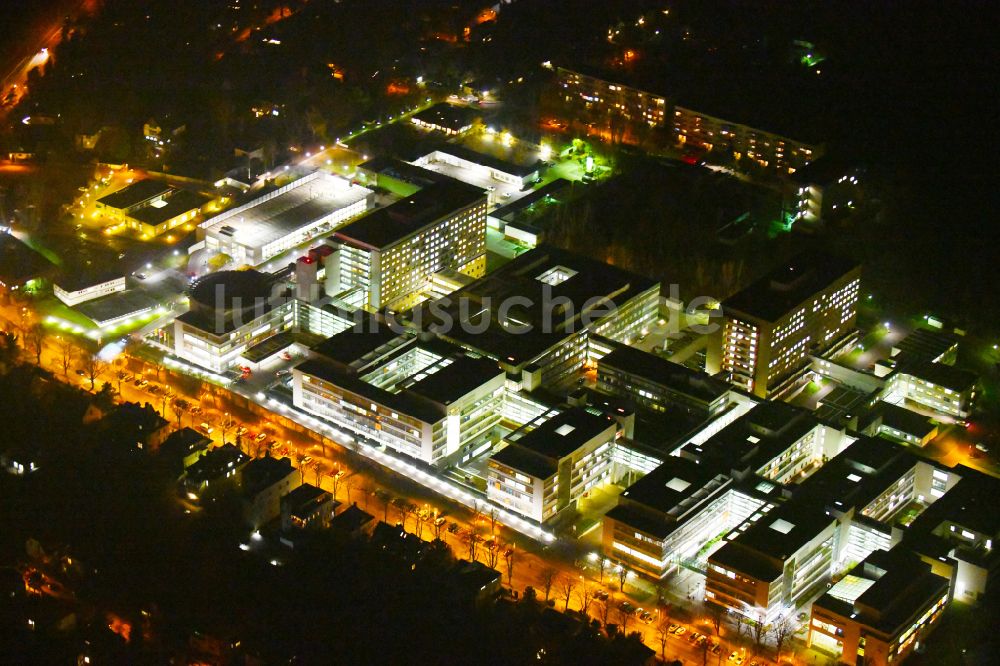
[
  {"x": 36, "y": 339},
  {"x": 335, "y": 479},
  {"x": 492, "y": 552},
  {"x": 351, "y": 483},
  {"x": 623, "y": 573},
  {"x": 493, "y": 516},
  {"x": 585, "y": 595},
  {"x": 472, "y": 541},
  {"x": 566, "y": 585},
  {"x": 105, "y": 398},
  {"x": 387, "y": 500},
  {"x": 602, "y": 564},
  {"x": 782, "y": 630},
  {"x": 624, "y": 617},
  {"x": 93, "y": 367},
  {"x": 703, "y": 648},
  {"x": 663, "y": 634},
  {"x": 759, "y": 631},
  {"x": 548, "y": 578},
  {"x": 603, "y": 611},
  {"x": 9, "y": 351},
  {"x": 403, "y": 509},
  {"x": 300, "y": 459},
  {"x": 66, "y": 349},
  {"x": 508, "y": 556},
  {"x": 319, "y": 472},
  {"x": 716, "y": 614}
]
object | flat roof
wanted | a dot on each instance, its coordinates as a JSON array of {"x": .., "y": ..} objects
[
  {"x": 927, "y": 345},
  {"x": 135, "y": 194},
  {"x": 358, "y": 346},
  {"x": 515, "y": 207},
  {"x": 674, "y": 376},
  {"x": 778, "y": 535},
  {"x": 464, "y": 375},
  {"x": 755, "y": 438},
  {"x": 447, "y": 115},
  {"x": 274, "y": 215},
  {"x": 971, "y": 503},
  {"x": 262, "y": 473},
  {"x": 939, "y": 374},
  {"x": 858, "y": 474},
  {"x": 404, "y": 171},
  {"x": 116, "y": 306},
  {"x": 18, "y": 262},
  {"x": 903, "y": 419},
  {"x": 564, "y": 433},
  {"x": 403, "y": 402},
  {"x": 778, "y": 292},
  {"x": 387, "y": 226},
  {"x": 525, "y": 460},
  {"x": 586, "y": 282},
  {"x": 890, "y": 589},
  {"x": 75, "y": 279},
  {"x": 491, "y": 161},
  {"x": 670, "y": 487},
  {"x": 178, "y": 203}
]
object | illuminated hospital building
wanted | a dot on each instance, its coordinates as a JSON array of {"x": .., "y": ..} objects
[{"x": 770, "y": 329}]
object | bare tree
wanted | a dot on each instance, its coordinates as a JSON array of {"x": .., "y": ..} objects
[
  {"x": 623, "y": 573},
  {"x": 335, "y": 480},
  {"x": 566, "y": 585},
  {"x": 93, "y": 367},
  {"x": 403, "y": 509},
  {"x": 759, "y": 631},
  {"x": 624, "y": 617},
  {"x": 604, "y": 611},
  {"x": 387, "y": 500},
  {"x": 66, "y": 350},
  {"x": 716, "y": 614},
  {"x": 585, "y": 595},
  {"x": 663, "y": 634},
  {"x": 350, "y": 483},
  {"x": 703, "y": 648},
  {"x": 300, "y": 459},
  {"x": 472, "y": 541},
  {"x": 493, "y": 547},
  {"x": 508, "y": 556},
  {"x": 548, "y": 578},
  {"x": 783, "y": 629},
  {"x": 319, "y": 472},
  {"x": 602, "y": 564},
  {"x": 494, "y": 517},
  {"x": 35, "y": 339}
]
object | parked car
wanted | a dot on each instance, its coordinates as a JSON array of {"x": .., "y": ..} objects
[
  {"x": 261, "y": 437},
  {"x": 672, "y": 629},
  {"x": 736, "y": 658},
  {"x": 680, "y": 631},
  {"x": 205, "y": 428}
]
